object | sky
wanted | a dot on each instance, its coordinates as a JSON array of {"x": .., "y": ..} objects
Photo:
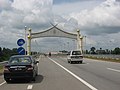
[{"x": 98, "y": 20}]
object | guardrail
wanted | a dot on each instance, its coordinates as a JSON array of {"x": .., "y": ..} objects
[
  {"x": 4, "y": 62},
  {"x": 112, "y": 56}
]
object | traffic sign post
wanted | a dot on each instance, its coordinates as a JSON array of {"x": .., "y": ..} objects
[
  {"x": 20, "y": 42},
  {"x": 21, "y": 51}
]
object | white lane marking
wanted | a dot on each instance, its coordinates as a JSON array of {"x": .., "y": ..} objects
[
  {"x": 30, "y": 87},
  {"x": 2, "y": 83},
  {"x": 114, "y": 70},
  {"x": 83, "y": 81}
]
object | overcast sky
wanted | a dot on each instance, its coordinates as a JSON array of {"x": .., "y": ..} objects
[{"x": 98, "y": 20}]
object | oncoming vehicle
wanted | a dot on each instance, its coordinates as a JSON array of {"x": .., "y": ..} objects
[
  {"x": 21, "y": 67},
  {"x": 75, "y": 56}
]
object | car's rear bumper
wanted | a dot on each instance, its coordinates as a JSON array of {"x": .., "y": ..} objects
[
  {"x": 17, "y": 75},
  {"x": 76, "y": 60}
]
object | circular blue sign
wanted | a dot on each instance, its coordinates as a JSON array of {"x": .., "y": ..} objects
[
  {"x": 20, "y": 42},
  {"x": 21, "y": 51}
]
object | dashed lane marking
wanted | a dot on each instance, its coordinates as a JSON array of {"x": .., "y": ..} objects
[{"x": 30, "y": 87}]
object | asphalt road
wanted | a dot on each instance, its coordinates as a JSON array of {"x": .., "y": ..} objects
[{"x": 56, "y": 74}]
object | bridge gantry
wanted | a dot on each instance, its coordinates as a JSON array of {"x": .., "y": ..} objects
[{"x": 55, "y": 32}]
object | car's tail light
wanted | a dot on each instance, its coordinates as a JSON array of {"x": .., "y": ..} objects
[
  {"x": 77, "y": 57},
  {"x": 81, "y": 56},
  {"x": 30, "y": 68},
  {"x": 72, "y": 57},
  {"x": 6, "y": 69}
]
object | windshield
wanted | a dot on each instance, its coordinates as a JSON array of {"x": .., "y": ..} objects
[
  {"x": 76, "y": 53},
  {"x": 20, "y": 60}
]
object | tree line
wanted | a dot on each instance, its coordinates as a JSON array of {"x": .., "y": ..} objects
[
  {"x": 93, "y": 50},
  {"x": 5, "y": 53}
]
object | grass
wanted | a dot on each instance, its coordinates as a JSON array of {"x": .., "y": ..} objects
[
  {"x": 104, "y": 59},
  {"x": 1, "y": 69}
]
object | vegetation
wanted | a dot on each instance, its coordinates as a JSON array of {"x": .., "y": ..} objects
[
  {"x": 93, "y": 50},
  {"x": 1, "y": 69},
  {"x": 103, "y": 58},
  {"x": 5, "y": 53}
]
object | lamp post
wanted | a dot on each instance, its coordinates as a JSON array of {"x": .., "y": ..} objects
[
  {"x": 25, "y": 40},
  {"x": 29, "y": 42}
]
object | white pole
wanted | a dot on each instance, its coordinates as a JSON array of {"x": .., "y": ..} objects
[
  {"x": 81, "y": 44},
  {"x": 29, "y": 42},
  {"x": 25, "y": 40},
  {"x": 78, "y": 40}
]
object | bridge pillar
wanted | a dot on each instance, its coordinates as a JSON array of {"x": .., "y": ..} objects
[
  {"x": 79, "y": 41},
  {"x": 29, "y": 42}
]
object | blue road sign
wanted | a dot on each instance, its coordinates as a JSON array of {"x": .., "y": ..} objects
[
  {"x": 20, "y": 42},
  {"x": 21, "y": 51}
]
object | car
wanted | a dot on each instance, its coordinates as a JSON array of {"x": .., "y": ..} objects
[
  {"x": 21, "y": 67},
  {"x": 75, "y": 56}
]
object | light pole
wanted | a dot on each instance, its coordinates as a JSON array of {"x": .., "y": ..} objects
[
  {"x": 29, "y": 42},
  {"x": 68, "y": 45},
  {"x": 25, "y": 40}
]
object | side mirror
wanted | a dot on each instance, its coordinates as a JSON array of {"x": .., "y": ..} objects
[{"x": 36, "y": 62}]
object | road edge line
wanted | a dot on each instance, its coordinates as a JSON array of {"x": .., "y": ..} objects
[
  {"x": 2, "y": 83},
  {"x": 80, "y": 79}
]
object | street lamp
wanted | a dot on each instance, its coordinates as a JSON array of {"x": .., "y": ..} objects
[
  {"x": 25, "y": 40},
  {"x": 68, "y": 45}
]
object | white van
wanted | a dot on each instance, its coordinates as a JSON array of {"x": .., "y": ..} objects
[{"x": 75, "y": 56}]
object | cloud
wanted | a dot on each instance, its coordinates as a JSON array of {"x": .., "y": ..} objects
[
  {"x": 67, "y": 1},
  {"x": 102, "y": 19},
  {"x": 35, "y": 12},
  {"x": 91, "y": 18},
  {"x": 5, "y": 4},
  {"x": 16, "y": 14},
  {"x": 25, "y": 12}
]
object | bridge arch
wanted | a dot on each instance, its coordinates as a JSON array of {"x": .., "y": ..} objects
[{"x": 55, "y": 32}]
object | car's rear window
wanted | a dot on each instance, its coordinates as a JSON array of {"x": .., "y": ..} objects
[
  {"x": 76, "y": 53},
  {"x": 22, "y": 60}
]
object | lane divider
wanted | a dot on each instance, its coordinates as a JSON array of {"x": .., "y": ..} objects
[
  {"x": 83, "y": 81},
  {"x": 30, "y": 87},
  {"x": 114, "y": 70}
]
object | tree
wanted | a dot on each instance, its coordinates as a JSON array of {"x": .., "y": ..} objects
[
  {"x": 5, "y": 53},
  {"x": 92, "y": 50},
  {"x": 0, "y": 51},
  {"x": 86, "y": 52},
  {"x": 116, "y": 50}
]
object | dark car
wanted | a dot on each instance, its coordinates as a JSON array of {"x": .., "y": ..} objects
[{"x": 21, "y": 67}]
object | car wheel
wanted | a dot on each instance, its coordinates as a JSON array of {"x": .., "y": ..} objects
[
  {"x": 70, "y": 62},
  {"x": 81, "y": 62},
  {"x": 36, "y": 73},
  {"x": 33, "y": 79},
  {"x": 7, "y": 80}
]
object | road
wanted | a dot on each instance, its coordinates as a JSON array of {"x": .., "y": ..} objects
[{"x": 56, "y": 74}]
